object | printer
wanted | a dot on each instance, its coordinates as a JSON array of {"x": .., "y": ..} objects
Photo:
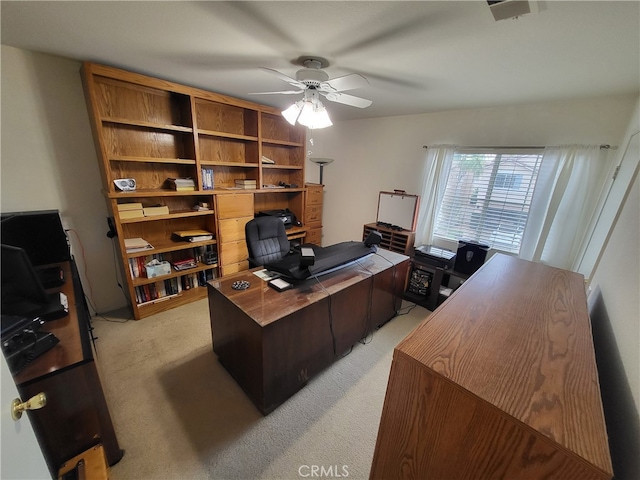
[{"x": 286, "y": 215}]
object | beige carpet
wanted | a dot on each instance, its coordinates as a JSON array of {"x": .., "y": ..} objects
[{"x": 179, "y": 415}]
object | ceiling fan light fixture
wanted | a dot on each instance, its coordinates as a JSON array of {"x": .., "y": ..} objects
[
  {"x": 292, "y": 113},
  {"x": 309, "y": 112}
]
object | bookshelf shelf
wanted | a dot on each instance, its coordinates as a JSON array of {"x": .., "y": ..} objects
[
  {"x": 174, "y": 274},
  {"x": 150, "y": 125},
  {"x": 184, "y": 161},
  {"x": 281, "y": 167},
  {"x": 172, "y": 215},
  {"x": 211, "y": 133},
  {"x": 282, "y": 143},
  {"x": 151, "y": 129}
]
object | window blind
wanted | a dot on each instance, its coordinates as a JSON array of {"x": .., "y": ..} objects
[{"x": 487, "y": 197}]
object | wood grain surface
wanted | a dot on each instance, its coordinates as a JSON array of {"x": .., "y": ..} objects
[{"x": 503, "y": 377}]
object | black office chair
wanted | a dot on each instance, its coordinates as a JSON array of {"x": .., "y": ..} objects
[{"x": 266, "y": 240}]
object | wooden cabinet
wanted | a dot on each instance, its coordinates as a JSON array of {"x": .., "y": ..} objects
[
  {"x": 313, "y": 213},
  {"x": 234, "y": 211},
  {"x": 401, "y": 241},
  {"x": 499, "y": 382},
  {"x": 76, "y": 416},
  {"x": 150, "y": 130}
]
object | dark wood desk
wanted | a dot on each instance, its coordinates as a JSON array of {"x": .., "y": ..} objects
[
  {"x": 500, "y": 382},
  {"x": 76, "y": 416},
  {"x": 273, "y": 342}
]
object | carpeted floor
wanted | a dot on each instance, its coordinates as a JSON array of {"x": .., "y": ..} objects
[{"x": 179, "y": 415}]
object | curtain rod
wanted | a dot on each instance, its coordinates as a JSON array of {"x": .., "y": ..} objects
[{"x": 511, "y": 148}]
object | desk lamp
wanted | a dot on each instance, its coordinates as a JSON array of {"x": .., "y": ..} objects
[{"x": 322, "y": 162}]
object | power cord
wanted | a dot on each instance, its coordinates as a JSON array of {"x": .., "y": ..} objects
[{"x": 333, "y": 336}]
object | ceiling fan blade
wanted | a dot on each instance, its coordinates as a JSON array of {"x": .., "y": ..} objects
[
  {"x": 346, "y": 82},
  {"x": 282, "y": 76},
  {"x": 347, "y": 99},
  {"x": 284, "y": 92}
]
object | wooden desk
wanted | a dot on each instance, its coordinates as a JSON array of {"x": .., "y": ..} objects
[
  {"x": 76, "y": 416},
  {"x": 499, "y": 382},
  {"x": 273, "y": 342}
]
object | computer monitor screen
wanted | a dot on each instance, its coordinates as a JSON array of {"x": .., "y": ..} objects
[
  {"x": 39, "y": 233},
  {"x": 22, "y": 291}
]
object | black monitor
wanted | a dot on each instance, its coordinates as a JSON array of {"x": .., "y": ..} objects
[
  {"x": 22, "y": 291},
  {"x": 39, "y": 233}
]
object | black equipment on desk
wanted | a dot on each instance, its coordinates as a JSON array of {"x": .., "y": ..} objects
[
  {"x": 22, "y": 341},
  {"x": 470, "y": 256},
  {"x": 438, "y": 257},
  {"x": 286, "y": 215},
  {"x": 327, "y": 259}
]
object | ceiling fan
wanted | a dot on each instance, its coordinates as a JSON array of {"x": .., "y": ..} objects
[{"x": 313, "y": 78}]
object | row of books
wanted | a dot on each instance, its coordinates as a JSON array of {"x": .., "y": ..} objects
[
  {"x": 207, "y": 178},
  {"x": 137, "y": 210},
  {"x": 171, "y": 287},
  {"x": 137, "y": 265}
]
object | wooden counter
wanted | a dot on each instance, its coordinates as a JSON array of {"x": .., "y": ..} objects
[
  {"x": 76, "y": 416},
  {"x": 499, "y": 382}
]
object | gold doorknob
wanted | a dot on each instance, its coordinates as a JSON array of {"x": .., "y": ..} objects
[{"x": 34, "y": 403}]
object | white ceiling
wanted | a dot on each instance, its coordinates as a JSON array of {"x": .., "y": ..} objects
[{"x": 419, "y": 56}]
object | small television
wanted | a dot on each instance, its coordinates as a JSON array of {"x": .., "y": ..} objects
[
  {"x": 22, "y": 291},
  {"x": 40, "y": 233}
]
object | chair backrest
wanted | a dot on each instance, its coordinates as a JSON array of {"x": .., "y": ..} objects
[{"x": 266, "y": 240}]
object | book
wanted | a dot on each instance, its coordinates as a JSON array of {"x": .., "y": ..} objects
[
  {"x": 185, "y": 264},
  {"x": 181, "y": 184},
  {"x": 123, "y": 207},
  {"x": 207, "y": 178},
  {"x": 245, "y": 181},
  {"x": 131, "y": 214},
  {"x": 267, "y": 160},
  {"x": 133, "y": 245},
  {"x": 192, "y": 235},
  {"x": 246, "y": 184},
  {"x": 155, "y": 210}
]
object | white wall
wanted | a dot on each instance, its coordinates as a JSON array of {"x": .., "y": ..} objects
[
  {"x": 387, "y": 153},
  {"x": 48, "y": 161}
]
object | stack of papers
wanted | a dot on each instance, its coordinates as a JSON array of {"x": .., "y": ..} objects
[
  {"x": 192, "y": 235},
  {"x": 133, "y": 245}
]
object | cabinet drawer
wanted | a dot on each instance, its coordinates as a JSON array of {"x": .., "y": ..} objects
[
  {"x": 314, "y": 196},
  {"x": 233, "y": 252},
  {"x": 234, "y": 205},
  {"x": 313, "y": 213},
  {"x": 314, "y": 236},
  {"x": 234, "y": 267},
  {"x": 232, "y": 229}
]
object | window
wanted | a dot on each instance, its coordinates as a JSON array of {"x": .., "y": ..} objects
[{"x": 487, "y": 197}]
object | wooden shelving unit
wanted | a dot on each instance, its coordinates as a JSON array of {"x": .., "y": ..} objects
[
  {"x": 150, "y": 130},
  {"x": 400, "y": 241}
]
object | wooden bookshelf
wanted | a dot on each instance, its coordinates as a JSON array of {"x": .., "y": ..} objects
[{"x": 150, "y": 129}]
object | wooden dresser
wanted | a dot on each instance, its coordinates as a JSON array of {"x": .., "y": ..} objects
[{"x": 499, "y": 382}]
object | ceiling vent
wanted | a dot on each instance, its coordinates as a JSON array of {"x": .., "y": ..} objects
[{"x": 503, "y": 9}]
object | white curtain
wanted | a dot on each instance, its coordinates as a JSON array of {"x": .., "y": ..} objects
[
  {"x": 567, "y": 190},
  {"x": 434, "y": 180}
]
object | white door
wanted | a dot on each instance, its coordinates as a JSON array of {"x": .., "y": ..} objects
[{"x": 21, "y": 456}]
